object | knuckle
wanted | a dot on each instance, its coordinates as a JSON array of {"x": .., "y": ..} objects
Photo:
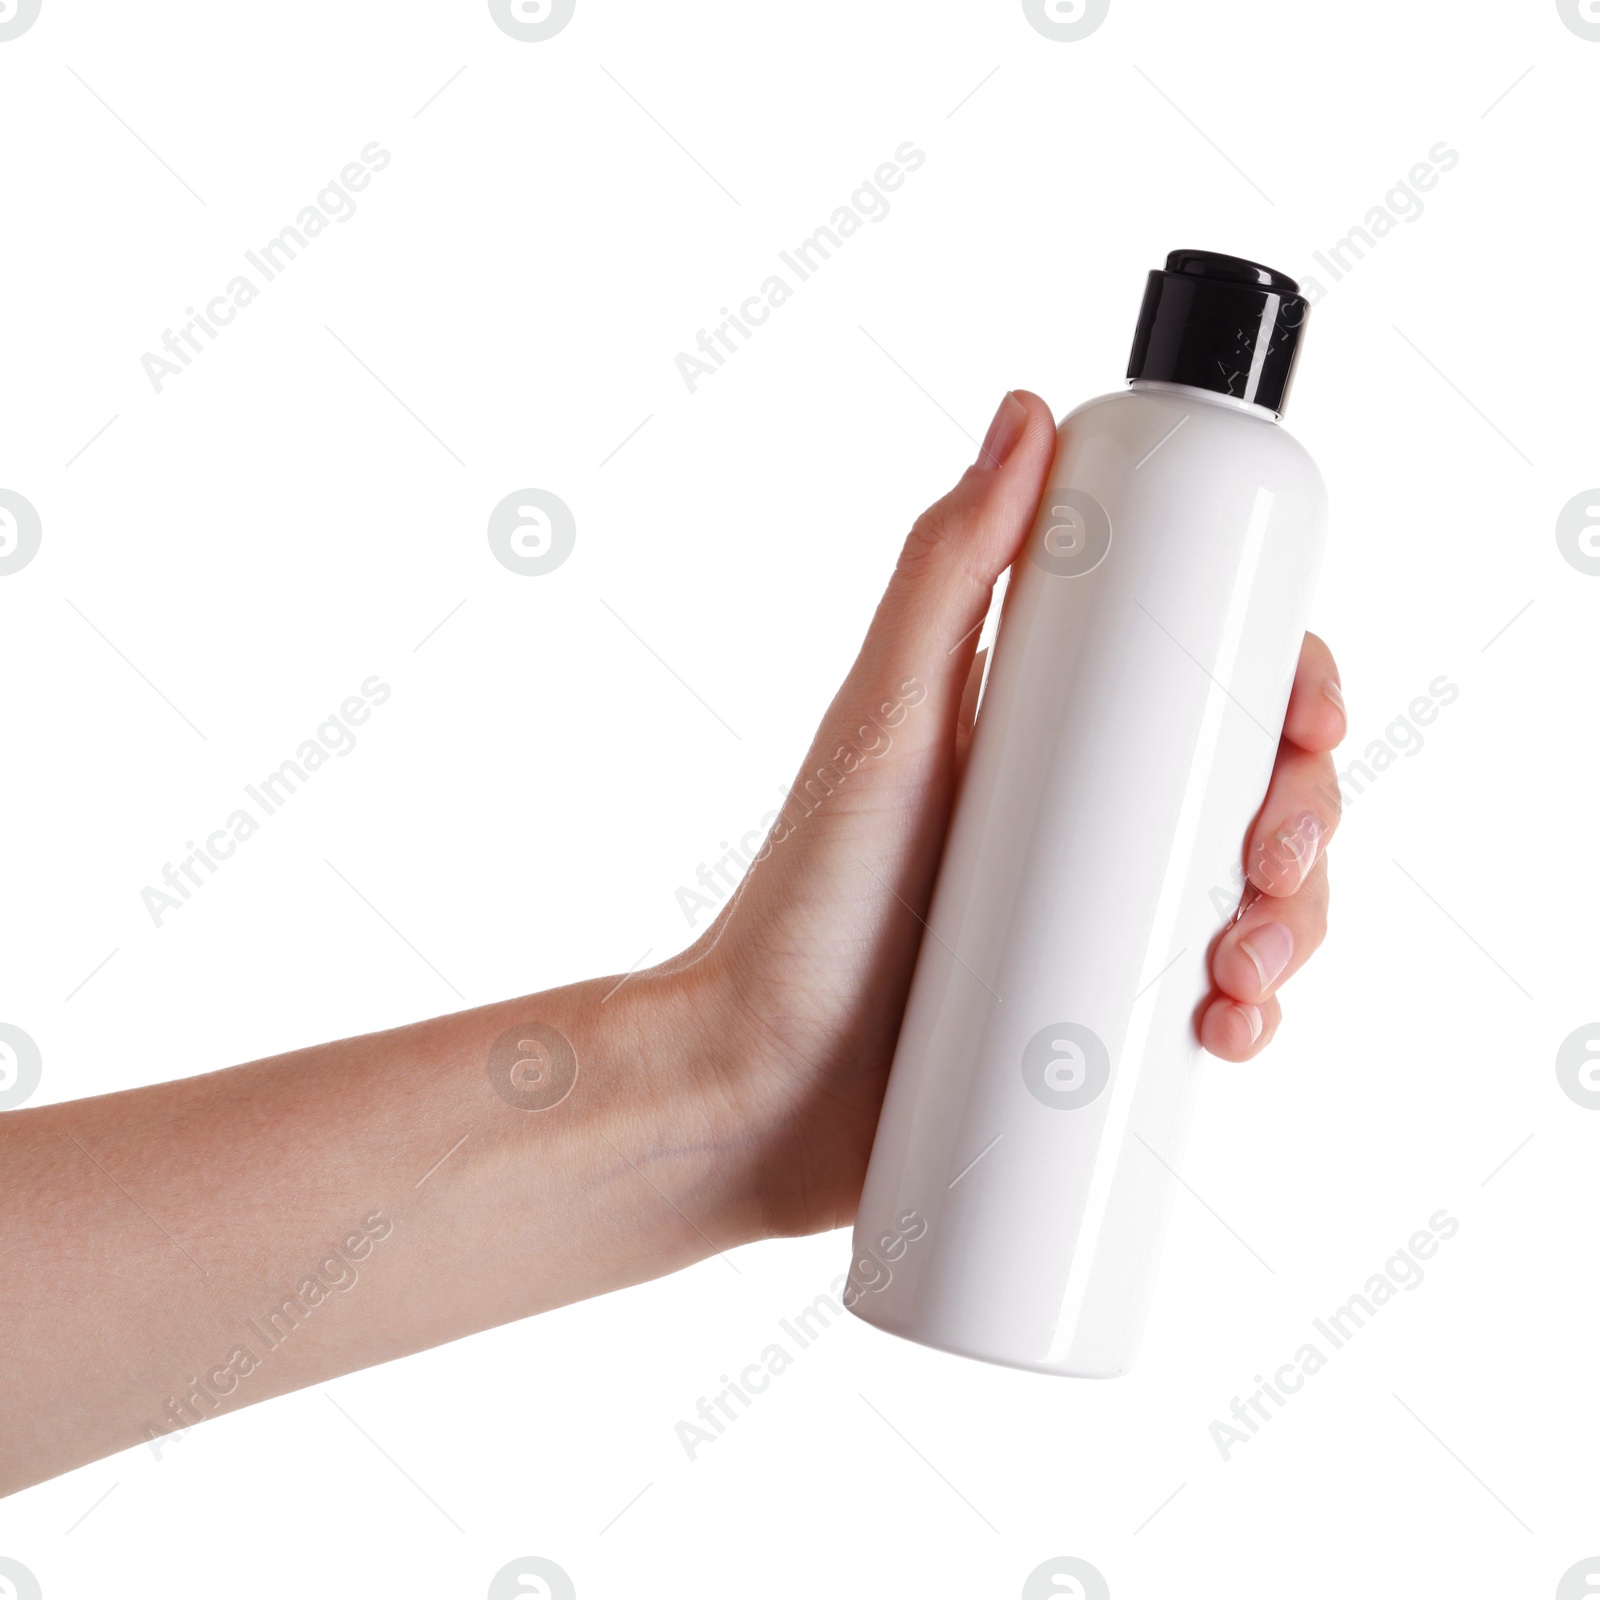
[
  {"x": 942, "y": 532},
  {"x": 931, "y": 534}
]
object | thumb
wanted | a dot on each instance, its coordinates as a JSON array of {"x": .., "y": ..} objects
[
  {"x": 877, "y": 783},
  {"x": 926, "y": 626}
]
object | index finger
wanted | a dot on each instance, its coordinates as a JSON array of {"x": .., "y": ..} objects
[{"x": 1316, "y": 718}]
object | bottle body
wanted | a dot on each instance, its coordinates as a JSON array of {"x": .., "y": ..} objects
[{"x": 1043, "y": 1077}]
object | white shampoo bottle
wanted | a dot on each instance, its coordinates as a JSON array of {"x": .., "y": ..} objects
[{"x": 1025, "y": 1157}]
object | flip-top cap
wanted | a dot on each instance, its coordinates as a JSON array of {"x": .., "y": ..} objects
[{"x": 1221, "y": 323}]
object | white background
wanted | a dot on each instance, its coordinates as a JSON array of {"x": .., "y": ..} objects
[{"x": 229, "y": 559}]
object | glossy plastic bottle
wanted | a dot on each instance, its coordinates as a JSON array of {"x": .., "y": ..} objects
[{"x": 1024, "y": 1163}]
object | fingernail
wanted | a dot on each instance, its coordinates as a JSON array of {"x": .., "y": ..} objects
[
  {"x": 1003, "y": 433},
  {"x": 1301, "y": 840},
  {"x": 1269, "y": 946},
  {"x": 1331, "y": 689},
  {"x": 1290, "y": 855},
  {"x": 1252, "y": 1018}
]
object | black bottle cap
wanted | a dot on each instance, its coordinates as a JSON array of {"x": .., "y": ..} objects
[{"x": 1220, "y": 323}]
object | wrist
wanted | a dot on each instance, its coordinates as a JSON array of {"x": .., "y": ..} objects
[
  {"x": 775, "y": 1135},
  {"x": 666, "y": 1088}
]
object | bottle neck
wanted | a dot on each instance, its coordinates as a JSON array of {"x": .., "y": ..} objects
[{"x": 1210, "y": 397}]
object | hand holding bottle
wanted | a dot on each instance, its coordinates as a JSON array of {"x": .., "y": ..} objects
[{"x": 728, "y": 1095}]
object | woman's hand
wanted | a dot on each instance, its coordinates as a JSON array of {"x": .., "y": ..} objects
[
  {"x": 810, "y": 964},
  {"x": 183, "y": 1249}
]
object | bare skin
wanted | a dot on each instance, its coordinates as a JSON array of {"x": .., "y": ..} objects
[{"x": 727, "y": 1096}]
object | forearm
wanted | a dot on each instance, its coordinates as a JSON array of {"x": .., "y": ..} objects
[{"x": 185, "y": 1249}]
